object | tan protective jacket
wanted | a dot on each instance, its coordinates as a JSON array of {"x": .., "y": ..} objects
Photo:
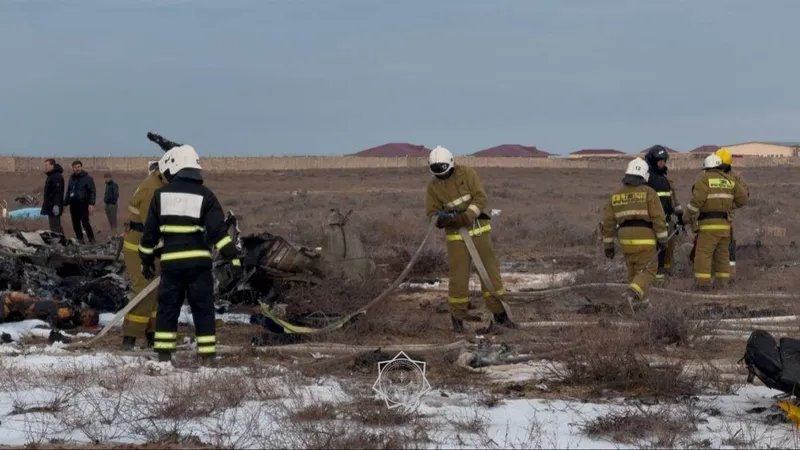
[
  {"x": 714, "y": 195},
  {"x": 638, "y": 212},
  {"x": 462, "y": 191},
  {"x": 138, "y": 207}
]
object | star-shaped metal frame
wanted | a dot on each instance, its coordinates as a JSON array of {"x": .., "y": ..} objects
[{"x": 420, "y": 366}]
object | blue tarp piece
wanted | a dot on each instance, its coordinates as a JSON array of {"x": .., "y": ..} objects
[{"x": 26, "y": 214}]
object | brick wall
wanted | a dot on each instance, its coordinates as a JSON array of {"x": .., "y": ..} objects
[{"x": 282, "y": 163}]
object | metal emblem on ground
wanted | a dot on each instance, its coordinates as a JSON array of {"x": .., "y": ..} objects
[{"x": 402, "y": 382}]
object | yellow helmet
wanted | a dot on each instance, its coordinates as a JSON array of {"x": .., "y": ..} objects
[{"x": 725, "y": 155}]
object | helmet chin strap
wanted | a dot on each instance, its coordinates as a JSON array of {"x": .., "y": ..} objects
[{"x": 446, "y": 175}]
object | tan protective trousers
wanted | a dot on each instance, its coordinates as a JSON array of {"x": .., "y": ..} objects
[
  {"x": 142, "y": 318},
  {"x": 459, "y": 261},
  {"x": 712, "y": 257},
  {"x": 642, "y": 264}
]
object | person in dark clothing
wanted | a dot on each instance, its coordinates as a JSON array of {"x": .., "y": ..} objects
[
  {"x": 187, "y": 216},
  {"x": 111, "y": 198},
  {"x": 80, "y": 198},
  {"x": 656, "y": 158},
  {"x": 53, "y": 196}
]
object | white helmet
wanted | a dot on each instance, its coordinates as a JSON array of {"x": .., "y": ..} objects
[
  {"x": 440, "y": 161},
  {"x": 712, "y": 161},
  {"x": 638, "y": 167},
  {"x": 183, "y": 157},
  {"x": 163, "y": 163}
]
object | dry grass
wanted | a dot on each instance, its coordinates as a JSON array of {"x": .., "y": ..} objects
[
  {"x": 610, "y": 361},
  {"x": 660, "y": 427}
]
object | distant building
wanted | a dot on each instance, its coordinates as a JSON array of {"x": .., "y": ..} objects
[
  {"x": 595, "y": 153},
  {"x": 512, "y": 150},
  {"x": 394, "y": 150},
  {"x": 705, "y": 149},
  {"x": 766, "y": 149},
  {"x": 671, "y": 151}
]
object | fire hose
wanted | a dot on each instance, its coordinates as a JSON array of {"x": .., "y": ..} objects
[
  {"x": 339, "y": 323},
  {"x": 481, "y": 271}
]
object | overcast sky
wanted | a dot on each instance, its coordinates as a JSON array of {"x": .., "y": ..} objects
[{"x": 275, "y": 77}]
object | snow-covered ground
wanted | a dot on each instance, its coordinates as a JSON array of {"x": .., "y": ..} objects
[{"x": 47, "y": 396}]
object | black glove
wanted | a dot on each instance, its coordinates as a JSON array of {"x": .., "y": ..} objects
[
  {"x": 148, "y": 270},
  {"x": 445, "y": 220},
  {"x": 680, "y": 222},
  {"x": 610, "y": 253},
  {"x": 661, "y": 247}
]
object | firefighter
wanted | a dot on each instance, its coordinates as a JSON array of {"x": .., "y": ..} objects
[
  {"x": 141, "y": 320},
  {"x": 636, "y": 215},
  {"x": 185, "y": 215},
  {"x": 656, "y": 158},
  {"x": 714, "y": 195},
  {"x": 456, "y": 195},
  {"x": 727, "y": 167}
]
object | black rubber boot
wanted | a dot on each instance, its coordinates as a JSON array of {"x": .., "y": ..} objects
[
  {"x": 151, "y": 339},
  {"x": 503, "y": 320},
  {"x": 128, "y": 343},
  {"x": 458, "y": 325},
  {"x": 164, "y": 356}
]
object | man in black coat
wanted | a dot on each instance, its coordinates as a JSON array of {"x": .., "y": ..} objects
[
  {"x": 80, "y": 198},
  {"x": 111, "y": 198},
  {"x": 53, "y": 196}
]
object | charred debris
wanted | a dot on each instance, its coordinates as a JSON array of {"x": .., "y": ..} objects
[{"x": 47, "y": 276}]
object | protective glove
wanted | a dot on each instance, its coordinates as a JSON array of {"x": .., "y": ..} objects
[
  {"x": 661, "y": 247},
  {"x": 148, "y": 270},
  {"x": 610, "y": 253},
  {"x": 56, "y": 210},
  {"x": 680, "y": 220},
  {"x": 445, "y": 220}
]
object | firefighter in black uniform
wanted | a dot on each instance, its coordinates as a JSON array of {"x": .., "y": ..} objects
[
  {"x": 656, "y": 158},
  {"x": 186, "y": 216}
]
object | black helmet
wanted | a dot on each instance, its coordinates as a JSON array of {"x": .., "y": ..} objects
[{"x": 655, "y": 154}]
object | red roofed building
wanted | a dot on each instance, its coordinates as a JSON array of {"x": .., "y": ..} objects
[
  {"x": 512, "y": 150},
  {"x": 705, "y": 149},
  {"x": 669, "y": 150},
  {"x": 395, "y": 149},
  {"x": 596, "y": 152}
]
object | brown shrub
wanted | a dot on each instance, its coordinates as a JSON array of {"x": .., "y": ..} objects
[
  {"x": 608, "y": 360},
  {"x": 662, "y": 427}
]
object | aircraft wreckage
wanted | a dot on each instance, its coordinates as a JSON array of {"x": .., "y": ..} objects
[{"x": 47, "y": 276}]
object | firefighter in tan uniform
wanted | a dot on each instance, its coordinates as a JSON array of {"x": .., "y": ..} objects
[
  {"x": 636, "y": 215},
  {"x": 727, "y": 167},
  {"x": 714, "y": 195},
  {"x": 141, "y": 320},
  {"x": 457, "y": 198}
]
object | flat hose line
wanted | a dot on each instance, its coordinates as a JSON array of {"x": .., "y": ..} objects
[
  {"x": 388, "y": 290},
  {"x": 537, "y": 293}
]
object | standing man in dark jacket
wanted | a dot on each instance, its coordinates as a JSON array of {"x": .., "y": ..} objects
[
  {"x": 111, "y": 198},
  {"x": 81, "y": 198},
  {"x": 53, "y": 196},
  {"x": 656, "y": 158}
]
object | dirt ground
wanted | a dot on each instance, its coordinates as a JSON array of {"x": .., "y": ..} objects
[{"x": 548, "y": 223}]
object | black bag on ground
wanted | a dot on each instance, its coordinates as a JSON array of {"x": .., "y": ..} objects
[{"x": 778, "y": 367}]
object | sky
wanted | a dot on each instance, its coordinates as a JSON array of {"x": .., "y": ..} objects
[{"x": 332, "y": 77}]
